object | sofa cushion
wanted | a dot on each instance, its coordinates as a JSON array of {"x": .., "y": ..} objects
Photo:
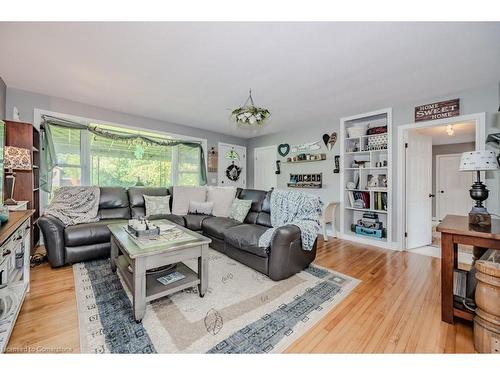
[
  {"x": 223, "y": 197},
  {"x": 257, "y": 197},
  {"x": 88, "y": 233},
  {"x": 136, "y": 194},
  {"x": 113, "y": 203},
  {"x": 157, "y": 205},
  {"x": 239, "y": 209},
  {"x": 215, "y": 226},
  {"x": 264, "y": 216},
  {"x": 183, "y": 194},
  {"x": 193, "y": 221},
  {"x": 246, "y": 237}
]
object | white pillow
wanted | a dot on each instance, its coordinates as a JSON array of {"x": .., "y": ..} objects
[
  {"x": 203, "y": 208},
  {"x": 156, "y": 205},
  {"x": 184, "y": 194},
  {"x": 223, "y": 199}
]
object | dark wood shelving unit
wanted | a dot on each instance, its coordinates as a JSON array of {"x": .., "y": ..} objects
[{"x": 25, "y": 135}]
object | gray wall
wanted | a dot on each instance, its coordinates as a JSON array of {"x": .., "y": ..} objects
[
  {"x": 456, "y": 148},
  {"x": 480, "y": 99},
  {"x": 27, "y": 101},
  {"x": 3, "y": 95}
]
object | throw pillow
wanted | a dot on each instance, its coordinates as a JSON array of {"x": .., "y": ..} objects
[
  {"x": 156, "y": 205},
  {"x": 184, "y": 194},
  {"x": 223, "y": 199},
  {"x": 203, "y": 208},
  {"x": 239, "y": 209}
]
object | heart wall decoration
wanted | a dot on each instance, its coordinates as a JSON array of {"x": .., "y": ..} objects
[
  {"x": 329, "y": 140},
  {"x": 283, "y": 149}
]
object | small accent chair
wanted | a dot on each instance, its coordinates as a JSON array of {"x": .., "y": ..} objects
[{"x": 329, "y": 217}]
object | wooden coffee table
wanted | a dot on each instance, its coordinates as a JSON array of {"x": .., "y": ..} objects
[{"x": 143, "y": 255}]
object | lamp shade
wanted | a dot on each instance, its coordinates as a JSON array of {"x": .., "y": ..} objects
[
  {"x": 17, "y": 158},
  {"x": 482, "y": 160}
]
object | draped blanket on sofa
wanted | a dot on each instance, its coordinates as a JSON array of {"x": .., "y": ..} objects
[{"x": 297, "y": 208}]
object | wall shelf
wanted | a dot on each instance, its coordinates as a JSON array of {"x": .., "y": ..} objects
[{"x": 354, "y": 149}]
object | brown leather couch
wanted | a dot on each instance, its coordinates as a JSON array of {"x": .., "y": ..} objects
[{"x": 82, "y": 242}]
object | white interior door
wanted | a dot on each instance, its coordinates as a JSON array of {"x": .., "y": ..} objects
[
  {"x": 232, "y": 165},
  {"x": 418, "y": 189},
  {"x": 452, "y": 187},
  {"x": 264, "y": 167}
]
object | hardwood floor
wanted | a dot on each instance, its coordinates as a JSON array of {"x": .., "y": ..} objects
[{"x": 395, "y": 309}]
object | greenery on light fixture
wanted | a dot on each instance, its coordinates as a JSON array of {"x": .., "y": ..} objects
[{"x": 249, "y": 114}]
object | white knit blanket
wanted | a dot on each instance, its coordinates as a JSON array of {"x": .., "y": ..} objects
[
  {"x": 75, "y": 204},
  {"x": 297, "y": 208}
]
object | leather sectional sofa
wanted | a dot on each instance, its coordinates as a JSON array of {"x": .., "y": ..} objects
[{"x": 285, "y": 257}]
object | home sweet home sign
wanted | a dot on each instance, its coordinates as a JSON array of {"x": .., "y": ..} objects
[{"x": 439, "y": 110}]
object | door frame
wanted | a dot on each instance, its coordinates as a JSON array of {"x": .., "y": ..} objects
[
  {"x": 402, "y": 136},
  {"x": 438, "y": 174},
  {"x": 254, "y": 162}
]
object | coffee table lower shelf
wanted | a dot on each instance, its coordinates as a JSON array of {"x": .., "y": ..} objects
[{"x": 155, "y": 289}]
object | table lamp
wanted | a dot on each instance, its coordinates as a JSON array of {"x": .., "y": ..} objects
[
  {"x": 15, "y": 158},
  {"x": 477, "y": 161}
]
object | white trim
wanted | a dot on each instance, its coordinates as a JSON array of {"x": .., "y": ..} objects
[
  {"x": 480, "y": 121},
  {"x": 255, "y": 159}
]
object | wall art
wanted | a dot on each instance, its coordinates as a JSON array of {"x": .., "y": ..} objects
[
  {"x": 212, "y": 160},
  {"x": 283, "y": 149}
]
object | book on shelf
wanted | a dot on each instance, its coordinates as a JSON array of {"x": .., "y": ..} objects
[{"x": 380, "y": 199}]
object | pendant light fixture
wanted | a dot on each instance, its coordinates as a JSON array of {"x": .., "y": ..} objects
[{"x": 249, "y": 114}]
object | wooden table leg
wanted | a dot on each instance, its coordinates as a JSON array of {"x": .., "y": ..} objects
[
  {"x": 448, "y": 254},
  {"x": 203, "y": 270},
  {"x": 114, "y": 254},
  {"x": 139, "y": 289}
]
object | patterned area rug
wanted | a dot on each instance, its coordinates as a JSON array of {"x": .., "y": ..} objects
[{"x": 242, "y": 312}]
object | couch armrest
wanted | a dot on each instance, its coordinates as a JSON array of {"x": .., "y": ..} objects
[
  {"x": 53, "y": 238},
  {"x": 287, "y": 257}
]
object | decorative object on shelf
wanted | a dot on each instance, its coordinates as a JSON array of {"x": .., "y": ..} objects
[
  {"x": 477, "y": 161},
  {"x": 438, "y": 110},
  {"x": 4, "y": 214},
  {"x": 332, "y": 140},
  {"x": 299, "y": 158},
  {"x": 313, "y": 146},
  {"x": 232, "y": 155},
  {"x": 337, "y": 164},
  {"x": 212, "y": 160},
  {"x": 278, "y": 170},
  {"x": 283, "y": 149},
  {"x": 357, "y": 131},
  {"x": 249, "y": 114},
  {"x": 233, "y": 172},
  {"x": 449, "y": 130},
  {"x": 351, "y": 185},
  {"x": 15, "y": 158},
  {"x": 377, "y": 142},
  {"x": 372, "y": 181}
]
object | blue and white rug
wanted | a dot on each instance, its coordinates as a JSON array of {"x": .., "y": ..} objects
[{"x": 242, "y": 312}]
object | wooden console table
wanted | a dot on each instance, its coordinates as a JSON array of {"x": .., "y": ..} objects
[{"x": 456, "y": 230}]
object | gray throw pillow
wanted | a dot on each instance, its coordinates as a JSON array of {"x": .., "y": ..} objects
[
  {"x": 157, "y": 205},
  {"x": 203, "y": 208},
  {"x": 239, "y": 209}
]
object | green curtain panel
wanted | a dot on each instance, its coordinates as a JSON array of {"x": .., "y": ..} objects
[{"x": 105, "y": 142}]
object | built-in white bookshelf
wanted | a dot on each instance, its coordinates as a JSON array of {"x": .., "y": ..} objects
[{"x": 366, "y": 174}]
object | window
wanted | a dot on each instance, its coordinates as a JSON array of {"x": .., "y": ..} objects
[
  {"x": 67, "y": 146},
  {"x": 84, "y": 158}
]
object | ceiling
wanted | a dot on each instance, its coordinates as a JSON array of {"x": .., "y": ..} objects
[
  {"x": 194, "y": 73},
  {"x": 462, "y": 133}
]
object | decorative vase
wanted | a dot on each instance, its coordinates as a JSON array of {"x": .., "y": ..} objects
[{"x": 4, "y": 214}]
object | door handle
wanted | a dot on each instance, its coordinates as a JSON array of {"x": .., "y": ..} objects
[{"x": 432, "y": 195}]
